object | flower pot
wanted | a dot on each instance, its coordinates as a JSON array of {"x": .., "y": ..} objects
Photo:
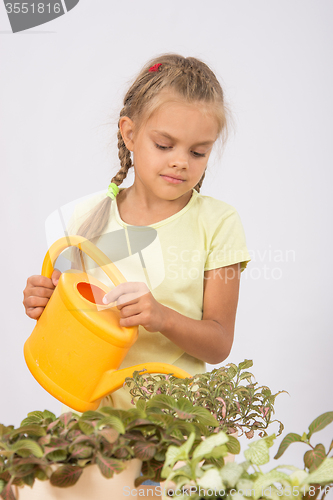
[{"x": 91, "y": 485}]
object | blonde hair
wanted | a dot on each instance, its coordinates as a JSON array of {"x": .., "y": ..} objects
[{"x": 187, "y": 77}]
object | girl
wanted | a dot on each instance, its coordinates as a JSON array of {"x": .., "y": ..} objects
[{"x": 173, "y": 114}]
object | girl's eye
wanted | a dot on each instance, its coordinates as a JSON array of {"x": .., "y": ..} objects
[
  {"x": 195, "y": 153},
  {"x": 161, "y": 147}
]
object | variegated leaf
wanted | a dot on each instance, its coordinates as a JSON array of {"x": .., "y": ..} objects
[
  {"x": 320, "y": 422},
  {"x": 144, "y": 450},
  {"x": 286, "y": 441},
  {"x": 66, "y": 475},
  {"x": 109, "y": 466},
  {"x": 313, "y": 458}
]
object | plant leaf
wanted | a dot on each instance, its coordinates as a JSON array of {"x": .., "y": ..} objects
[
  {"x": 65, "y": 476},
  {"x": 57, "y": 455},
  {"x": 204, "y": 416},
  {"x": 247, "y": 363},
  {"x": 162, "y": 418},
  {"x": 30, "y": 420},
  {"x": 5, "y": 430},
  {"x": 313, "y": 458},
  {"x": 27, "y": 445},
  {"x": 144, "y": 450},
  {"x": 53, "y": 424},
  {"x": 112, "y": 421},
  {"x": 211, "y": 480},
  {"x": 176, "y": 453},
  {"x": 233, "y": 445},
  {"x": 34, "y": 417},
  {"x": 29, "y": 479},
  {"x": 81, "y": 451},
  {"x": 7, "y": 493},
  {"x": 257, "y": 452},
  {"x": 32, "y": 430},
  {"x": 162, "y": 401},
  {"x": 91, "y": 415},
  {"x": 141, "y": 405},
  {"x": 108, "y": 466},
  {"x": 322, "y": 475},
  {"x": 268, "y": 479},
  {"x": 206, "y": 446},
  {"x": 232, "y": 370},
  {"x": 286, "y": 441},
  {"x": 231, "y": 473},
  {"x": 320, "y": 423},
  {"x": 49, "y": 414},
  {"x": 246, "y": 375},
  {"x": 86, "y": 428},
  {"x": 111, "y": 435},
  {"x": 65, "y": 418}
]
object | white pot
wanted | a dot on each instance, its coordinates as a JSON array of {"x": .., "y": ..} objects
[{"x": 92, "y": 485}]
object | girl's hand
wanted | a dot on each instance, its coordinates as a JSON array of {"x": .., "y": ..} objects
[
  {"x": 38, "y": 292},
  {"x": 137, "y": 306}
]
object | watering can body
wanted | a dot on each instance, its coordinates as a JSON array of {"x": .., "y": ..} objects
[{"x": 78, "y": 345}]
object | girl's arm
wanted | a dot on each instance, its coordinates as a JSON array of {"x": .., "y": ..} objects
[{"x": 209, "y": 339}]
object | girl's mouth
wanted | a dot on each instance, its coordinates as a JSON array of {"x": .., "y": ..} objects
[{"x": 172, "y": 179}]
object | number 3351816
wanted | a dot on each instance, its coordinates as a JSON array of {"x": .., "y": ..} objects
[{"x": 33, "y": 7}]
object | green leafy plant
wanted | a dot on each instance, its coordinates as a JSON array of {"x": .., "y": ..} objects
[
  {"x": 229, "y": 393},
  {"x": 107, "y": 437},
  {"x": 168, "y": 412},
  {"x": 205, "y": 478}
]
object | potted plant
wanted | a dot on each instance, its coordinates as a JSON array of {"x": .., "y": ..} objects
[
  {"x": 229, "y": 393},
  {"x": 167, "y": 412},
  {"x": 59, "y": 450},
  {"x": 215, "y": 480}
]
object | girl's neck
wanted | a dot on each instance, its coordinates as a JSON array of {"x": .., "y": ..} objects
[{"x": 139, "y": 212}]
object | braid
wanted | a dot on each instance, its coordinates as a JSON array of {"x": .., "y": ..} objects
[
  {"x": 124, "y": 155},
  {"x": 198, "y": 186}
]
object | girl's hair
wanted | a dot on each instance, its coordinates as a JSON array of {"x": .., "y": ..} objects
[{"x": 189, "y": 79}]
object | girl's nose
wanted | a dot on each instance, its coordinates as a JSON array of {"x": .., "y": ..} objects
[{"x": 180, "y": 161}]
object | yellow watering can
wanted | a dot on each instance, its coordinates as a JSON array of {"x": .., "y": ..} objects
[{"x": 77, "y": 345}]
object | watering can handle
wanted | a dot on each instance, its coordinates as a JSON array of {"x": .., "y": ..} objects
[{"x": 89, "y": 249}]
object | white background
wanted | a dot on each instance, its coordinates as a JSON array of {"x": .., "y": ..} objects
[{"x": 60, "y": 94}]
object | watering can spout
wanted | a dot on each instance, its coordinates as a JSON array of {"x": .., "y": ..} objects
[{"x": 113, "y": 380}]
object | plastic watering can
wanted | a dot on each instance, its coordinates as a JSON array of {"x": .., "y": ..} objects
[{"x": 77, "y": 345}]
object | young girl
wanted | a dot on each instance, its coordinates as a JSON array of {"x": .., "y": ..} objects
[{"x": 173, "y": 114}]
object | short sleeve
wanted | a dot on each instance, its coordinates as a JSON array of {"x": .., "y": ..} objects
[{"x": 227, "y": 245}]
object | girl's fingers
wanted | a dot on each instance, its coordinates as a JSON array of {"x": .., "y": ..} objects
[
  {"x": 40, "y": 281},
  {"x": 55, "y": 276},
  {"x": 42, "y": 292},
  {"x": 130, "y": 310},
  {"x": 34, "y": 312},
  {"x": 36, "y": 292},
  {"x": 133, "y": 289},
  {"x": 131, "y": 321},
  {"x": 129, "y": 297},
  {"x": 33, "y": 301}
]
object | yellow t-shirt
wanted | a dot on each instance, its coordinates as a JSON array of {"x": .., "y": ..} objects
[{"x": 170, "y": 257}]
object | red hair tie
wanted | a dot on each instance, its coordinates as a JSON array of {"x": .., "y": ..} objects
[{"x": 155, "y": 67}]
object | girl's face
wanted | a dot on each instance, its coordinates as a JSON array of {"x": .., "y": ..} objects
[{"x": 171, "y": 150}]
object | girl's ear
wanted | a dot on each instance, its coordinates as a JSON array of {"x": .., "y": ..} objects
[{"x": 126, "y": 127}]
